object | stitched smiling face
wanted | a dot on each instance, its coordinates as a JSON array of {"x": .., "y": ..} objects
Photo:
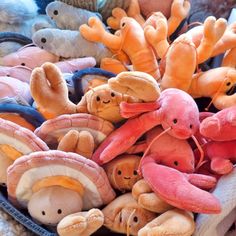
[
  {"x": 122, "y": 172},
  {"x": 105, "y": 103}
]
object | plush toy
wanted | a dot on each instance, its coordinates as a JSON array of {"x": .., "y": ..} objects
[
  {"x": 15, "y": 142},
  {"x": 221, "y": 126},
  {"x": 11, "y": 87},
  {"x": 30, "y": 57},
  {"x": 62, "y": 184},
  {"x": 229, "y": 58},
  {"x": 124, "y": 215},
  {"x": 69, "y": 17},
  {"x": 79, "y": 133},
  {"x": 122, "y": 172},
  {"x": 219, "y": 224},
  {"x": 85, "y": 79},
  {"x": 169, "y": 221},
  {"x": 25, "y": 116},
  {"x": 131, "y": 42},
  {"x": 100, "y": 101},
  {"x": 217, "y": 84},
  {"x": 179, "y": 125},
  {"x": 222, "y": 155},
  {"x": 69, "y": 44}
]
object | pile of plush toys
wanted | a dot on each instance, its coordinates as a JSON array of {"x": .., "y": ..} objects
[{"x": 99, "y": 124}]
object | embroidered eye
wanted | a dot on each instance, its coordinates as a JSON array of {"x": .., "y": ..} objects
[
  {"x": 43, "y": 213},
  {"x": 55, "y": 12},
  {"x": 59, "y": 211},
  {"x": 135, "y": 219},
  {"x": 175, "y": 121},
  {"x": 135, "y": 172},
  {"x": 228, "y": 84},
  {"x": 113, "y": 94},
  {"x": 119, "y": 172},
  {"x": 43, "y": 40},
  {"x": 176, "y": 163},
  {"x": 23, "y": 64},
  {"x": 191, "y": 126},
  {"x": 123, "y": 25},
  {"x": 98, "y": 98}
]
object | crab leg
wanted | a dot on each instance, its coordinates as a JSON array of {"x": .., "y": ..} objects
[
  {"x": 181, "y": 193},
  {"x": 125, "y": 136}
]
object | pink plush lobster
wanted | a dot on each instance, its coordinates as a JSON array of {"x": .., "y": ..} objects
[
  {"x": 178, "y": 115},
  {"x": 220, "y": 130}
]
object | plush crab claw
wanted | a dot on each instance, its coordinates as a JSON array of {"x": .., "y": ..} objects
[
  {"x": 134, "y": 83},
  {"x": 82, "y": 223},
  {"x": 15, "y": 142},
  {"x": 54, "y": 184},
  {"x": 114, "y": 20},
  {"x": 172, "y": 222},
  {"x": 147, "y": 199},
  {"x": 225, "y": 191},
  {"x": 79, "y": 142},
  {"x": 52, "y": 131},
  {"x": 197, "y": 200},
  {"x": 49, "y": 90}
]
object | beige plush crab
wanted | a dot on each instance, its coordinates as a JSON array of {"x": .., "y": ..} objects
[{"x": 56, "y": 184}]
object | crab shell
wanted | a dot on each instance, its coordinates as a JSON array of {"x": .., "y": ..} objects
[
  {"x": 53, "y": 130},
  {"x": 31, "y": 169}
]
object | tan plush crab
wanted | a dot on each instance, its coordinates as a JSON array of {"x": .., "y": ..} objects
[{"x": 56, "y": 184}]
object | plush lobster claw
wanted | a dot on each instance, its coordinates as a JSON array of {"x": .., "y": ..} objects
[{"x": 173, "y": 187}]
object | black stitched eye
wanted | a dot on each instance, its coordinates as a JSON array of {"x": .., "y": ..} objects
[
  {"x": 135, "y": 172},
  {"x": 191, "y": 126},
  {"x": 228, "y": 84},
  {"x": 175, "y": 121},
  {"x": 43, "y": 40},
  {"x": 59, "y": 211},
  {"x": 176, "y": 163},
  {"x": 119, "y": 172},
  {"x": 112, "y": 94},
  {"x": 23, "y": 64},
  {"x": 135, "y": 219},
  {"x": 98, "y": 98},
  {"x": 55, "y": 12},
  {"x": 8, "y": 75},
  {"x": 43, "y": 213},
  {"x": 123, "y": 24}
]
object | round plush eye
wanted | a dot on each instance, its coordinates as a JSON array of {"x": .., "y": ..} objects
[
  {"x": 119, "y": 172},
  {"x": 55, "y": 12},
  {"x": 23, "y": 64},
  {"x": 113, "y": 94},
  {"x": 43, "y": 40},
  {"x": 98, "y": 98},
  {"x": 175, "y": 121},
  {"x": 191, "y": 126},
  {"x": 135, "y": 172},
  {"x": 135, "y": 219},
  {"x": 228, "y": 84},
  {"x": 59, "y": 211},
  {"x": 176, "y": 163},
  {"x": 43, "y": 213}
]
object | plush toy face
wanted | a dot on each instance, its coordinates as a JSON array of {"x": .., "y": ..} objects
[
  {"x": 124, "y": 211},
  {"x": 50, "y": 205},
  {"x": 122, "y": 172},
  {"x": 104, "y": 102}
]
